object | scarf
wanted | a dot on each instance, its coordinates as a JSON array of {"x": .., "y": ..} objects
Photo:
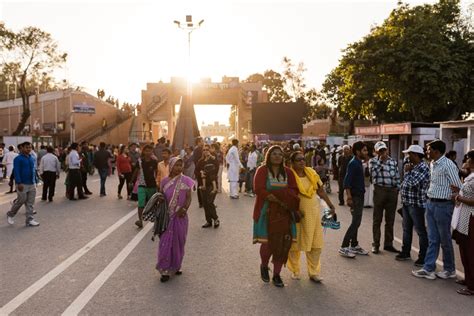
[
  {"x": 313, "y": 178},
  {"x": 172, "y": 162}
]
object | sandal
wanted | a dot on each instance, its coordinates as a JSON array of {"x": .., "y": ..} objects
[{"x": 465, "y": 291}]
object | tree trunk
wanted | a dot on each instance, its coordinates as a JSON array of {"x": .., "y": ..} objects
[{"x": 25, "y": 115}]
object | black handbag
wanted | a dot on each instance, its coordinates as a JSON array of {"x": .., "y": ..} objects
[{"x": 156, "y": 211}]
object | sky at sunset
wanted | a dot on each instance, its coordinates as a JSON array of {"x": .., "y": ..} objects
[{"x": 119, "y": 47}]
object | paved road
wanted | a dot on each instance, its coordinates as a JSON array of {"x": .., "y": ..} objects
[{"x": 87, "y": 257}]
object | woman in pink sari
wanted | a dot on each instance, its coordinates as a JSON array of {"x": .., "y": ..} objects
[{"x": 177, "y": 190}]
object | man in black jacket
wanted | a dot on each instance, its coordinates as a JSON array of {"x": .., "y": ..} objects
[
  {"x": 85, "y": 166},
  {"x": 101, "y": 162},
  {"x": 342, "y": 163}
]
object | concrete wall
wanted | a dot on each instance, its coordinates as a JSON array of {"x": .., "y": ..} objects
[
  {"x": 55, "y": 107},
  {"x": 117, "y": 135}
]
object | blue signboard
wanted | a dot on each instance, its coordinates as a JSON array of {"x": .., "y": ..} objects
[{"x": 83, "y": 108}]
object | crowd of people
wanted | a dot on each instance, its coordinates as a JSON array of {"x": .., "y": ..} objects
[{"x": 290, "y": 184}]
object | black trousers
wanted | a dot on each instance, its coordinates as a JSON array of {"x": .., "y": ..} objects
[
  {"x": 341, "y": 189},
  {"x": 127, "y": 177},
  {"x": 75, "y": 181},
  {"x": 208, "y": 203},
  {"x": 350, "y": 238},
  {"x": 84, "y": 181},
  {"x": 49, "y": 184},
  {"x": 199, "y": 194}
]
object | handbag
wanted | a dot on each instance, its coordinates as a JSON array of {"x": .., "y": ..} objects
[{"x": 156, "y": 211}]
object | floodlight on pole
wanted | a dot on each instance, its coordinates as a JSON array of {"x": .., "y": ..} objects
[{"x": 186, "y": 129}]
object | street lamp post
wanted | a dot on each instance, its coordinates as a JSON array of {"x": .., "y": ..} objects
[
  {"x": 186, "y": 129},
  {"x": 189, "y": 26}
]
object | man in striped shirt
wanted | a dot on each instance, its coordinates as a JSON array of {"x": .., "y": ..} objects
[{"x": 439, "y": 211}]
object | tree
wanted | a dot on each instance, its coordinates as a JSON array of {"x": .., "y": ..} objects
[
  {"x": 416, "y": 66},
  {"x": 291, "y": 87},
  {"x": 30, "y": 56},
  {"x": 273, "y": 83}
]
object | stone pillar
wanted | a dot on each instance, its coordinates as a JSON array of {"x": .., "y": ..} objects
[
  {"x": 445, "y": 134},
  {"x": 470, "y": 139}
]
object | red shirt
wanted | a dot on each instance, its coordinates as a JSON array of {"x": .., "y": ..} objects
[{"x": 124, "y": 164}]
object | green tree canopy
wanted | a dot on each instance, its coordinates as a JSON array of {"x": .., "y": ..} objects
[
  {"x": 290, "y": 86},
  {"x": 417, "y": 65},
  {"x": 29, "y": 58}
]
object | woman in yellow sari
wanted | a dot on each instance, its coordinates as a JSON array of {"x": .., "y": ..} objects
[{"x": 309, "y": 229}]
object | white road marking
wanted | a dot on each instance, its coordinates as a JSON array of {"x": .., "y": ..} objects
[
  {"x": 38, "y": 285},
  {"x": 438, "y": 262},
  {"x": 89, "y": 292}
]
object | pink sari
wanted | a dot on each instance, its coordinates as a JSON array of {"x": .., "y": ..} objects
[{"x": 173, "y": 240}]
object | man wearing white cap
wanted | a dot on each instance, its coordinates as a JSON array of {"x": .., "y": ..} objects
[
  {"x": 415, "y": 184},
  {"x": 386, "y": 180}
]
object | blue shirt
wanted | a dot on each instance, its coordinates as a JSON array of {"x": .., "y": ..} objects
[
  {"x": 25, "y": 169},
  {"x": 354, "y": 179}
]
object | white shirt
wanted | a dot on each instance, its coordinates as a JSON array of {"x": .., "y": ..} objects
[
  {"x": 252, "y": 160},
  {"x": 73, "y": 161},
  {"x": 50, "y": 162},
  {"x": 444, "y": 173},
  {"x": 232, "y": 157},
  {"x": 9, "y": 157}
]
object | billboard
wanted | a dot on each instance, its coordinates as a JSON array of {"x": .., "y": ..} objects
[
  {"x": 84, "y": 108},
  {"x": 277, "y": 118}
]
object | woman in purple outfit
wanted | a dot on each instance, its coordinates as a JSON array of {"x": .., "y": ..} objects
[{"x": 177, "y": 190}]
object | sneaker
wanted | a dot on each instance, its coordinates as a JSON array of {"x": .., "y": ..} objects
[
  {"x": 419, "y": 263},
  {"x": 358, "y": 250},
  {"x": 295, "y": 276},
  {"x": 316, "y": 279},
  {"x": 375, "y": 250},
  {"x": 345, "y": 252},
  {"x": 402, "y": 257},
  {"x": 139, "y": 224},
  {"x": 10, "y": 220},
  {"x": 32, "y": 223},
  {"x": 207, "y": 225},
  {"x": 216, "y": 223},
  {"x": 119, "y": 197},
  {"x": 422, "y": 273},
  {"x": 252, "y": 194},
  {"x": 446, "y": 275}
]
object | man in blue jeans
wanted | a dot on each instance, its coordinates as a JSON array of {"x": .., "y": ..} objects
[
  {"x": 439, "y": 211},
  {"x": 101, "y": 162},
  {"x": 355, "y": 189},
  {"x": 413, "y": 192}
]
